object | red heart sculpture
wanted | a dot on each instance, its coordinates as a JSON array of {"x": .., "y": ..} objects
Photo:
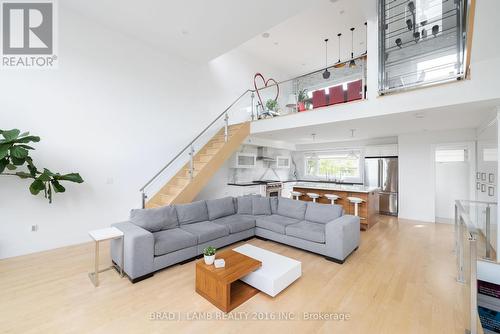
[{"x": 265, "y": 82}]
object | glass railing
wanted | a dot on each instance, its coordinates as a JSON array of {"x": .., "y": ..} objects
[
  {"x": 340, "y": 83},
  {"x": 472, "y": 244}
]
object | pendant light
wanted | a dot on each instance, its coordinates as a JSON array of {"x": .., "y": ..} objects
[
  {"x": 339, "y": 64},
  {"x": 366, "y": 38},
  {"x": 326, "y": 73},
  {"x": 352, "y": 63},
  {"x": 338, "y": 35}
]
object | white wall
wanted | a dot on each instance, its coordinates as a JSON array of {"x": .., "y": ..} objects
[
  {"x": 116, "y": 111},
  {"x": 417, "y": 170}
]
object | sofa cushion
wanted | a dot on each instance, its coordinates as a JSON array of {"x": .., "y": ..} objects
[
  {"x": 206, "y": 231},
  {"x": 244, "y": 205},
  {"x": 322, "y": 213},
  {"x": 308, "y": 231},
  {"x": 192, "y": 213},
  {"x": 236, "y": 223},
  {"x": 291, "y": 208},
  {"x": 261, "y": 206},
  {"x": 156, "y": 219},
  {"x": 274, "y": 205},
  {"x": 169, "y": 241},
  {"x": 221, "y": 207},
  {"x": 274, "y": 223}
]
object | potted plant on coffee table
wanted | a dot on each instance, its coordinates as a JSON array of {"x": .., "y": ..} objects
[{"x": 209, "y": 255}]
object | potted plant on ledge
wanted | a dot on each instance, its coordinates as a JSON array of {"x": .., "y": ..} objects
[
  {"x": 302, "y": 99},
  {"x": 209, "y": 255}
]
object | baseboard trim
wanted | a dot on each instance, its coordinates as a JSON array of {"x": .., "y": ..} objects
[{"x": 141, "y": 278}]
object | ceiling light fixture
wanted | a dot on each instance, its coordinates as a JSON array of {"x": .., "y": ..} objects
[
  {"x": 338, "y": 35},
  {"x": 326, "y": 73},
  {"x": 266, "y": 35},
  {"x": 352, "y": 132},
  {"x": 366, "y": 38},
  {"x": 352, "y": 63},
  {"x": 313, "y": 135}
]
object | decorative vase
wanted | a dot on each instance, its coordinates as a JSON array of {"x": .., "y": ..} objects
[
  {"x": 209, "y": 260},
  {"x": 302, "y": 106}
]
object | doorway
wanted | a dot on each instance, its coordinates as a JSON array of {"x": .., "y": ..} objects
[{"x": 453, "y": 170}]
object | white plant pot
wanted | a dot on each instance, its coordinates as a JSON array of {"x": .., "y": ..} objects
[{"x": 209, "y": 259}]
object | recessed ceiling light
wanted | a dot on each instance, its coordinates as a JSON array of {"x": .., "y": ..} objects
[
  {"x": 419, "y": 115},
  {"x": 342, "y": 12},
  {"x": 276, "y": 43},
  {"x": 184, "y": 32},
  {"x": 266, "y": 35}
]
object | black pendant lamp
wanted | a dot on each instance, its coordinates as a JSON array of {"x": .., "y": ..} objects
[
  {"x": 366, "y": 38},
  {"x": 326, "y": 73},
  {"x": 352, "y": 63},
  {"x": 338, "y": 35}
]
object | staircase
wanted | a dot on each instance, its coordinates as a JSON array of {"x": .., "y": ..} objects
[{"x": 184, "y": 187}]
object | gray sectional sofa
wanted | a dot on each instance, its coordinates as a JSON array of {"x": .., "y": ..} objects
[{"x": 158, "y": 238}]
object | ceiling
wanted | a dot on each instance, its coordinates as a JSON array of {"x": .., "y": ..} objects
[
  {"x": 297, "y": 46},
  {"x": 197, "y": 30},
  {"x": 461, "y": 116}
]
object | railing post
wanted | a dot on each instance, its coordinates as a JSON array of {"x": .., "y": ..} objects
[
  {"x": 488, "y": 234},
  {"x": 226, "y": 125},
  {"x": 460, "y": 253},
  {"x": 191, "y": 162},
  {"x": 473, "y": 284},
  {"x": 253, "y": 106},
  {"x": 144, "y": 196},
  {"x": 456, "y": 229}
]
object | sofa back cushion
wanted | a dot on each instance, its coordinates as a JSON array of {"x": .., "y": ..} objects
[
  {"x": 322, "y": 213},
  {"x": 261, "y": 206},
  {"x": 244, "y": 205},
  {"x": 154, "y": 220},
  {"x": 274, "y": 204},
  {"x": 222, "y": 207},
  {"x": 291, "y": 208},
  {"x": 192, "y": 213}
]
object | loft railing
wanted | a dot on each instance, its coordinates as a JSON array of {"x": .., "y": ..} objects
[
  {"x": 251, "y": 105},
  {"x": 472, "y": 244}
]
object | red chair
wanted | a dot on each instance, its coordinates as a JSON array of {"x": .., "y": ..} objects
[
  {"x": 319, "y": 98},
  {"x": 354, "y": 90},
  {"x": 336, "y": 95}
]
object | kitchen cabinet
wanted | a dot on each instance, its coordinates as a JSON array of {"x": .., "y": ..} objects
[
  {"x": 283, "y": 161},
  {"x": 381, "y": 150},
  {"x": 244, "y": 160}
]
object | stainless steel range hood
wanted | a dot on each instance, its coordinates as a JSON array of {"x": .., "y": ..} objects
[{"x": 264, "y": 154}]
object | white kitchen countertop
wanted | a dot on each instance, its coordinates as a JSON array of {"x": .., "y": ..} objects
[{"x": 337, "y": 187}]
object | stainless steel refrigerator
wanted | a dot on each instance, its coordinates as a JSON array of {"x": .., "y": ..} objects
[{"x": 383, "y": 173}]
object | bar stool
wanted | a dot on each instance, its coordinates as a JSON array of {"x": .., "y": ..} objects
[
  {"x": 295, "y": 195},
  {"x": 332, "y": 197},
  {"x": 314, "y": 196},
  {"x": 356, "y": 201}
]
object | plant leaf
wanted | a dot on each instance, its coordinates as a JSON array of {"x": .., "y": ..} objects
[
  {"x": 72, "y": 177},
  {"x": 3, "y": 164},
  {"x": 46, "y": 176},
  {"x": 36, "y": 187},
  {"x": 28, "y": 139},
  {"x": 11, "y": 167},
  {"x": 26, "y": 147},
  {"x": 19, "y": 152},
  {"x": 17, "y": 161},
  {"x": 4, "y": 150},
  {"x": 58, "y": 188},
  {"x": 23, "y": 175},
  {"x": 11, "y": 134}
]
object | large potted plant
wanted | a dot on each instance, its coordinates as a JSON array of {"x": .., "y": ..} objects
[
  {"x": 302, "y": 100},
  {"x": 209, "y": 255},
  {"x": 14, "y": 154}
]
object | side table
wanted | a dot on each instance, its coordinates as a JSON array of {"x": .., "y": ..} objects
[{"x": 104, "y": 234}]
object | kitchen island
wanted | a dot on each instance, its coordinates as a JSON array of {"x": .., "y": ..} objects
[{"x": 368, "y": 210}]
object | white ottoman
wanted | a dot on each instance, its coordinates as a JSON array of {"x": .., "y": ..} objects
[{"x": 277, "y": 271}]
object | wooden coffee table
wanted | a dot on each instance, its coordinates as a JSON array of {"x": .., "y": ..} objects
[{"x": 221, "y": 286}]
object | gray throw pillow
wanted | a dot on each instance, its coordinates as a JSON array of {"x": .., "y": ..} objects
[
  {"x": 221, "y": 207},
  {"x": 274, "y": 204},
  {"x": 291, "y": 208},
  {"x": 261, "y": 206},
  {"x": 154, "y": 220},
  {"x": 244, "y": 204},
  {"x": 192, "y": 212}
]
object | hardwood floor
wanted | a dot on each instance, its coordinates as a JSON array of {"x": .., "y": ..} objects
[{"x": 401, "y": 280}]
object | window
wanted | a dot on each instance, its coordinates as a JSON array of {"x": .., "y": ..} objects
[
  {"x": 340, "y": 165},
  {"x": 451, "y": 155}
]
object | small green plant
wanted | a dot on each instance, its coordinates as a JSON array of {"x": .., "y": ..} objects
[
  {"x": 302, "y": 95},
  {"x": 209, "y": 251},
  {"x": 14, "y": 153},
  {"x": 272, "y": 105}
]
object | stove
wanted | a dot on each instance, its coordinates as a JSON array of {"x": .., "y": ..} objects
[{"x": 273, "y": 189}]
